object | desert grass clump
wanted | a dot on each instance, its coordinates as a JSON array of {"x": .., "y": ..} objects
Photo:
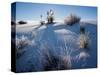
[
  {"x": 72, "y": 19},
  {"x": 53, "y": 61},
  {"x": 53, "y": 57},
  {"x": 57, "y": 63},
  {"x": 84, "y": 40},
  {"x": 21, "y": 43}
]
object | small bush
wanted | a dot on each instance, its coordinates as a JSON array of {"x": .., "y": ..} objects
[
  {"x": 50, "y": 19},
  {"x": 52, "y": 61},
  {"x": 72, "y": 19},
  {"x": 22, "y": 22},
  {"x": 57, "y": 63},
  {"x": 21, "y": 43},
  {"x": 84, "y": 41}
]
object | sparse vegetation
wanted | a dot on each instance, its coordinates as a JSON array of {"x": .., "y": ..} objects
[
  {"x": 20, "y": 45},
  {"x": 53, "y": 62},
  {"x": 84, "y": 36},
  {"x": 56, "y": 63},
  {"x": 50, "y": 16},
  {"x": 41, "y": 20},
  {"x": 22, "y": 22},
  {"x": 84, "y": 40},
  {"x": 72, "y": 19}
]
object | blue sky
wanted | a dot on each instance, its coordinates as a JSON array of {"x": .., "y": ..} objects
[{"x": 32, "y": 11}]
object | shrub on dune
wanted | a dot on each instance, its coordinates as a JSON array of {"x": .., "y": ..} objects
[
  {"x": 52, "y": 61},
  {"x": 21, "y": 43},
  {"x": 72, "y": 19},
  {"x": 22, "y": 22},
  {"x": 84, "y": 40},
  {"x": 57, "y": 63}
]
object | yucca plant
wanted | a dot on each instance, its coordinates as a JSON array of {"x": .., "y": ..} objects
[
  {"x": 50, "y": 16},
  {"x": 84, "y": 40}
]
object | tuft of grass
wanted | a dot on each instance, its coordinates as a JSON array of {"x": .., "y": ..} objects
[
  {"x": 21, "y": 43},
  {"x": 84, "y": 40},
  {"x": 51, "y": 61}
]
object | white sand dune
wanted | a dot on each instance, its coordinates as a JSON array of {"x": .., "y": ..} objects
[{"x": 61, "y": 40}]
